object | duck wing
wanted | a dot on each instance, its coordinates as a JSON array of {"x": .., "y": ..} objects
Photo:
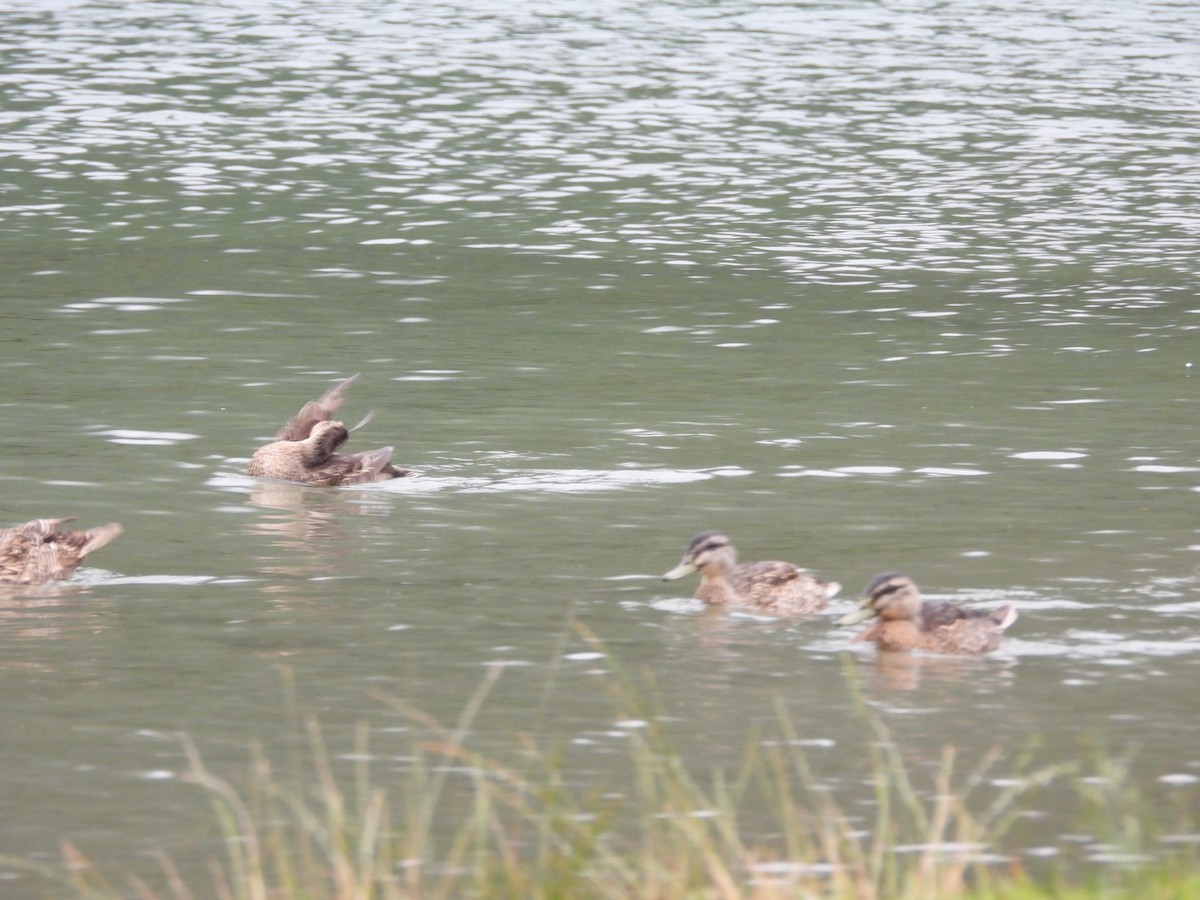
[
  {"x": 783, "y": 586},
  {"x": 373, "y": 465},
  {"x": 314, "y": 411},
  {"x": 941, "y": 613},
  {"x": 751, "y": 576}
]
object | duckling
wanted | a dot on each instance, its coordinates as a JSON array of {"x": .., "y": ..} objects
[
  {"x": 907, "y": 623},
  {"x": 305, "y": 450},
  {"x": 37, "y": 552},
  {"x": 770, "y": 585}
]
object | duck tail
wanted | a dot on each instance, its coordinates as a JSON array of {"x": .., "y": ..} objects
[
  {"x": 99, "y": 536},
  {"x": 1004, "y": 616}
]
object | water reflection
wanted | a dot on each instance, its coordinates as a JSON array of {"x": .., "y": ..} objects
[
  {"x": 54, "y": 611},
  {"x": 308, "y": 527},
  {"x": 885, "y": 673}
]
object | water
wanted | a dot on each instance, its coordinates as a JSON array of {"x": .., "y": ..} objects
[{"x": 870, "y": 286}]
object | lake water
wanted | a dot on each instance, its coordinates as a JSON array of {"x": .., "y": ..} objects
[{"x": 871, "y": 286}]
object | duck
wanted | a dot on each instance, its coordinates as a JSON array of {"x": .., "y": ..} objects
[
  {"x": 769, "y": 585},
  {"x": 37, "y": 552},
  {"x": 906, "y": 622},
  {"x": 305, "y": 449}
]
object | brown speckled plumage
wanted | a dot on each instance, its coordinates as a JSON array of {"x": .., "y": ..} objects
[
  {"x": 770, "y": 586},
  {"x": 906, "y": 622},
  {"x": 305, "y": 450},
  {"x": 37, "y": 552}
]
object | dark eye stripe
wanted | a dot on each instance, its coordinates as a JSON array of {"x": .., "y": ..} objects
[{"x": 886, "y": 589}]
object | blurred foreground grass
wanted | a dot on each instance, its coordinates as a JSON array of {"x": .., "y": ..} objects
[{"x": 527, "y": 832}]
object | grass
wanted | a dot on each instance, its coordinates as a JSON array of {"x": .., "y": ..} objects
[{"x": 460, "y": 824}]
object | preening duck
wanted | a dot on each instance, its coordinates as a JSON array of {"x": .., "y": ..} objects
[
  {"x": 305, "y": 450},
  {"x": 37, "y": 551}
]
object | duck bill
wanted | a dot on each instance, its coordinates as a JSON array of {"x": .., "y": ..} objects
[
  {"x": 684, "y": 568},
  {"x": 866, "y": 611}
]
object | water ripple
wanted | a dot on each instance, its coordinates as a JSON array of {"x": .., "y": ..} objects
[{"x": 685, "y": 136}]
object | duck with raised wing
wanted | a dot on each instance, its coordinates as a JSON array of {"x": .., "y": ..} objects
[
  {"x": 37, "y": 551},
  {"x": 305, "y": 450},
  {"x": 770, "y": 585},
  {"x": 903, "y": 621}
]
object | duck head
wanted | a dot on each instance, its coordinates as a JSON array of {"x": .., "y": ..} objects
[
  {"x": 323, "y": 441},
  {"x": 890, "y": 596},
  {"x": 709, "y": 550}
]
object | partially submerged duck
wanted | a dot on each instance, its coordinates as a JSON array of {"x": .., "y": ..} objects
[
  {"x": 305, "y": 450},
  {"x": 906, "y": 622},
  {"x": 37, "y": 552},
  {"x": 770, "y": 585}
]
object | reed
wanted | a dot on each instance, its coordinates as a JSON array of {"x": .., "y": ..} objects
[{"x": 527, "y": 831}]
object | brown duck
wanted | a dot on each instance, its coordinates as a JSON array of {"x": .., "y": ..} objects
[
  {"x": 906, "y": 622},
  {"x": 305, "y": 450},
  {"x": 770, "y": 586},
  {"x": 37, "y": 552}
]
